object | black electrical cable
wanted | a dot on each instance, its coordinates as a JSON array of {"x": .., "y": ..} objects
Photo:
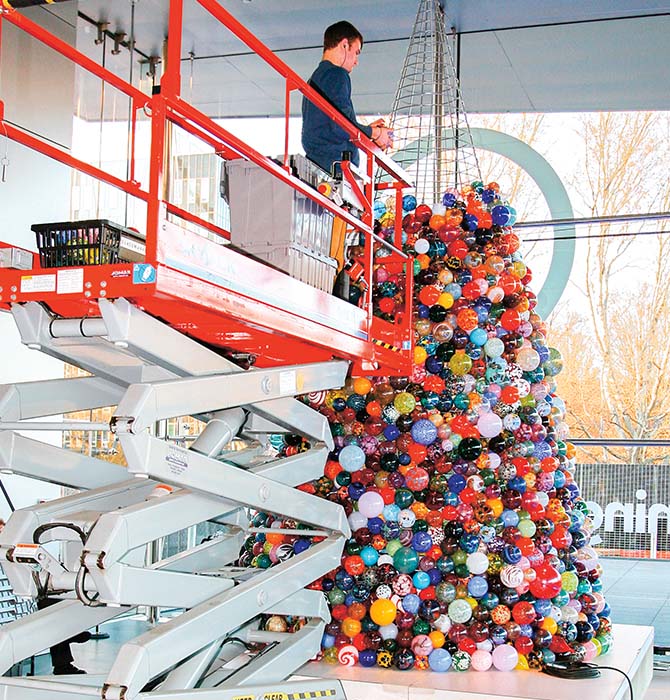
[
  {"x": 248, "y": 647},
  {"x": 50, "y": 526},
  {"x": 623, "y": 673},
  {"x": 239, "y": 641},
  {"x": 582, "y": 670},
  {"x": 80, "y": 590},
  {"x": 7, "y": 498},
  {"x": 570, "y": 671},
  {"x": 562, "y": 23},
  {"x": 392, "y": 39},
  {"x": 36, "y": 133}
]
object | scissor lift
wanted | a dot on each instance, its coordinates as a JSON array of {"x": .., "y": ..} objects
[{"x": 156, "y": 338}]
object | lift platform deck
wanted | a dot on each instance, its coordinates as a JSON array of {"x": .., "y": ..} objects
[{"x": 223, "y": 298}]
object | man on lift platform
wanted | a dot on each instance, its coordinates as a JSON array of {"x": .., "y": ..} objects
[{"x": 323, "y": 140}]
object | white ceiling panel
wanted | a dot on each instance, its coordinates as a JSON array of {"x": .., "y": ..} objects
[
  {"x": 485, "y": 15},
  {"x": 516, "y": 55},
  {"x": 611, "y": 65}
]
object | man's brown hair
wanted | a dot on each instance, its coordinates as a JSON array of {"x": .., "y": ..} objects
[{"x": 338, "y": 31}]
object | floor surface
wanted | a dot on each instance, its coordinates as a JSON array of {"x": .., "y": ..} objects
[
  {"x": 97, "y": 657},
  {"x": 637, "y": 590}
]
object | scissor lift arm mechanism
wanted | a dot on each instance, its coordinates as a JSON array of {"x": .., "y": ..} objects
[{"x": 154, "y": 372}]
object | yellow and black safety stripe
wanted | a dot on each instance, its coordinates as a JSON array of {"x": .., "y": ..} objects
[
  {"x": 8, "y": 5},
  {"x": 312, "y": 694},
  {"x": 387, "y": 346}
]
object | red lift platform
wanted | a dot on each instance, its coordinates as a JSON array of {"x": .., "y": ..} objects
[{"x": 203, "y": 287}]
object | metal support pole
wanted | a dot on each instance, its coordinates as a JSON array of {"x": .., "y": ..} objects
[
  {"x": 614, "y": 219},
  {"x": 153, "y": 557}
]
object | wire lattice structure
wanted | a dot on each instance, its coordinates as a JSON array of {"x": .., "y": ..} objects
[{"x": 432, "y": 138}]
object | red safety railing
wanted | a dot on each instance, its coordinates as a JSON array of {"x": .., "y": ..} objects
[
  {"x": 167, "y": 107},
  {"x": 138, "y": 101}
]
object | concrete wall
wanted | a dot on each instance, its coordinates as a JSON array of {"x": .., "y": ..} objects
[{"x": 37, "y": 87}]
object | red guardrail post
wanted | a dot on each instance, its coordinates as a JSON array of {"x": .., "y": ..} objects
[
  {"x": 158, "y": 158},
  {"x": 171, "y": 80}
]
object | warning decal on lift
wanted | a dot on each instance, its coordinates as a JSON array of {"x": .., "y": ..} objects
[
  {"x": 275, "y": 696},
  {"x": 177, "y": 459},
  {"x": 244, "y": 697},
  {"x": 312, "y": 694},
  {"x": 70, "y": 281},
  {"x": 288, "y": 386},
  {"x": 387, "y": 346},
  {"x": 38, "y": 283},
  {"x": 143, "y": 273}
]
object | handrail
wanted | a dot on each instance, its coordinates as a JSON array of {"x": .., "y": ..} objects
[
  {"x": 259, "y": 48},
  {"x": 171, "y": 80},
  {"x": 166, "y": 106},
  {"x": 176, "y": 105},
  {"x": 192, "y": 218},
  {"x": 294, "y": 81},
  {"x": 45, "y": 148}
]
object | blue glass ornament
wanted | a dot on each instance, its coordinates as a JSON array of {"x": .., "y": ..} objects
[
  {"x": 408, "y": 202},
  {"x": 439, "y": 660},
  {"x": 478, "y": 586},
  {"x": 421, "y": 580},
  {"x": 375, "y": 525},
  {"x": 448, "y": 199},
  {"x": 500, "y": 215},
  {"x": 424, "y": 432},
  {"x": 351, "y": 458},
  {"x": 456, "y": 483},
  {"x": 422, "y": 541}
]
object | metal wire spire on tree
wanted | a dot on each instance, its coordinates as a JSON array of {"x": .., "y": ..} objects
[{"x": 432, "y": 138}]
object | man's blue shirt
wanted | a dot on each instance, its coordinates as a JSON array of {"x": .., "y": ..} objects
[{"x": 323, "y": 140}]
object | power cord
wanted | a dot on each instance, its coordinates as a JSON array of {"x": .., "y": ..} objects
[
  {"x": 582, "y": 670},
  {"x": 624, "y": 674},
  {"x": 246, "y": 645},
  {"x": 80, "y": 590},
  {"x": 50, "y": 526}
]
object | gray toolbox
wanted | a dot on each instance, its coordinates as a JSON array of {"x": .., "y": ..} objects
[{"x": 275, "y": 223}]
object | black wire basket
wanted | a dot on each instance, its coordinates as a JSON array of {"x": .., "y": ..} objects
[{"x": 77, "y": 243}]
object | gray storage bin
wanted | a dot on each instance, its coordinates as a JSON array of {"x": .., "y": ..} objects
[{"x": 274, "y": 222}]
